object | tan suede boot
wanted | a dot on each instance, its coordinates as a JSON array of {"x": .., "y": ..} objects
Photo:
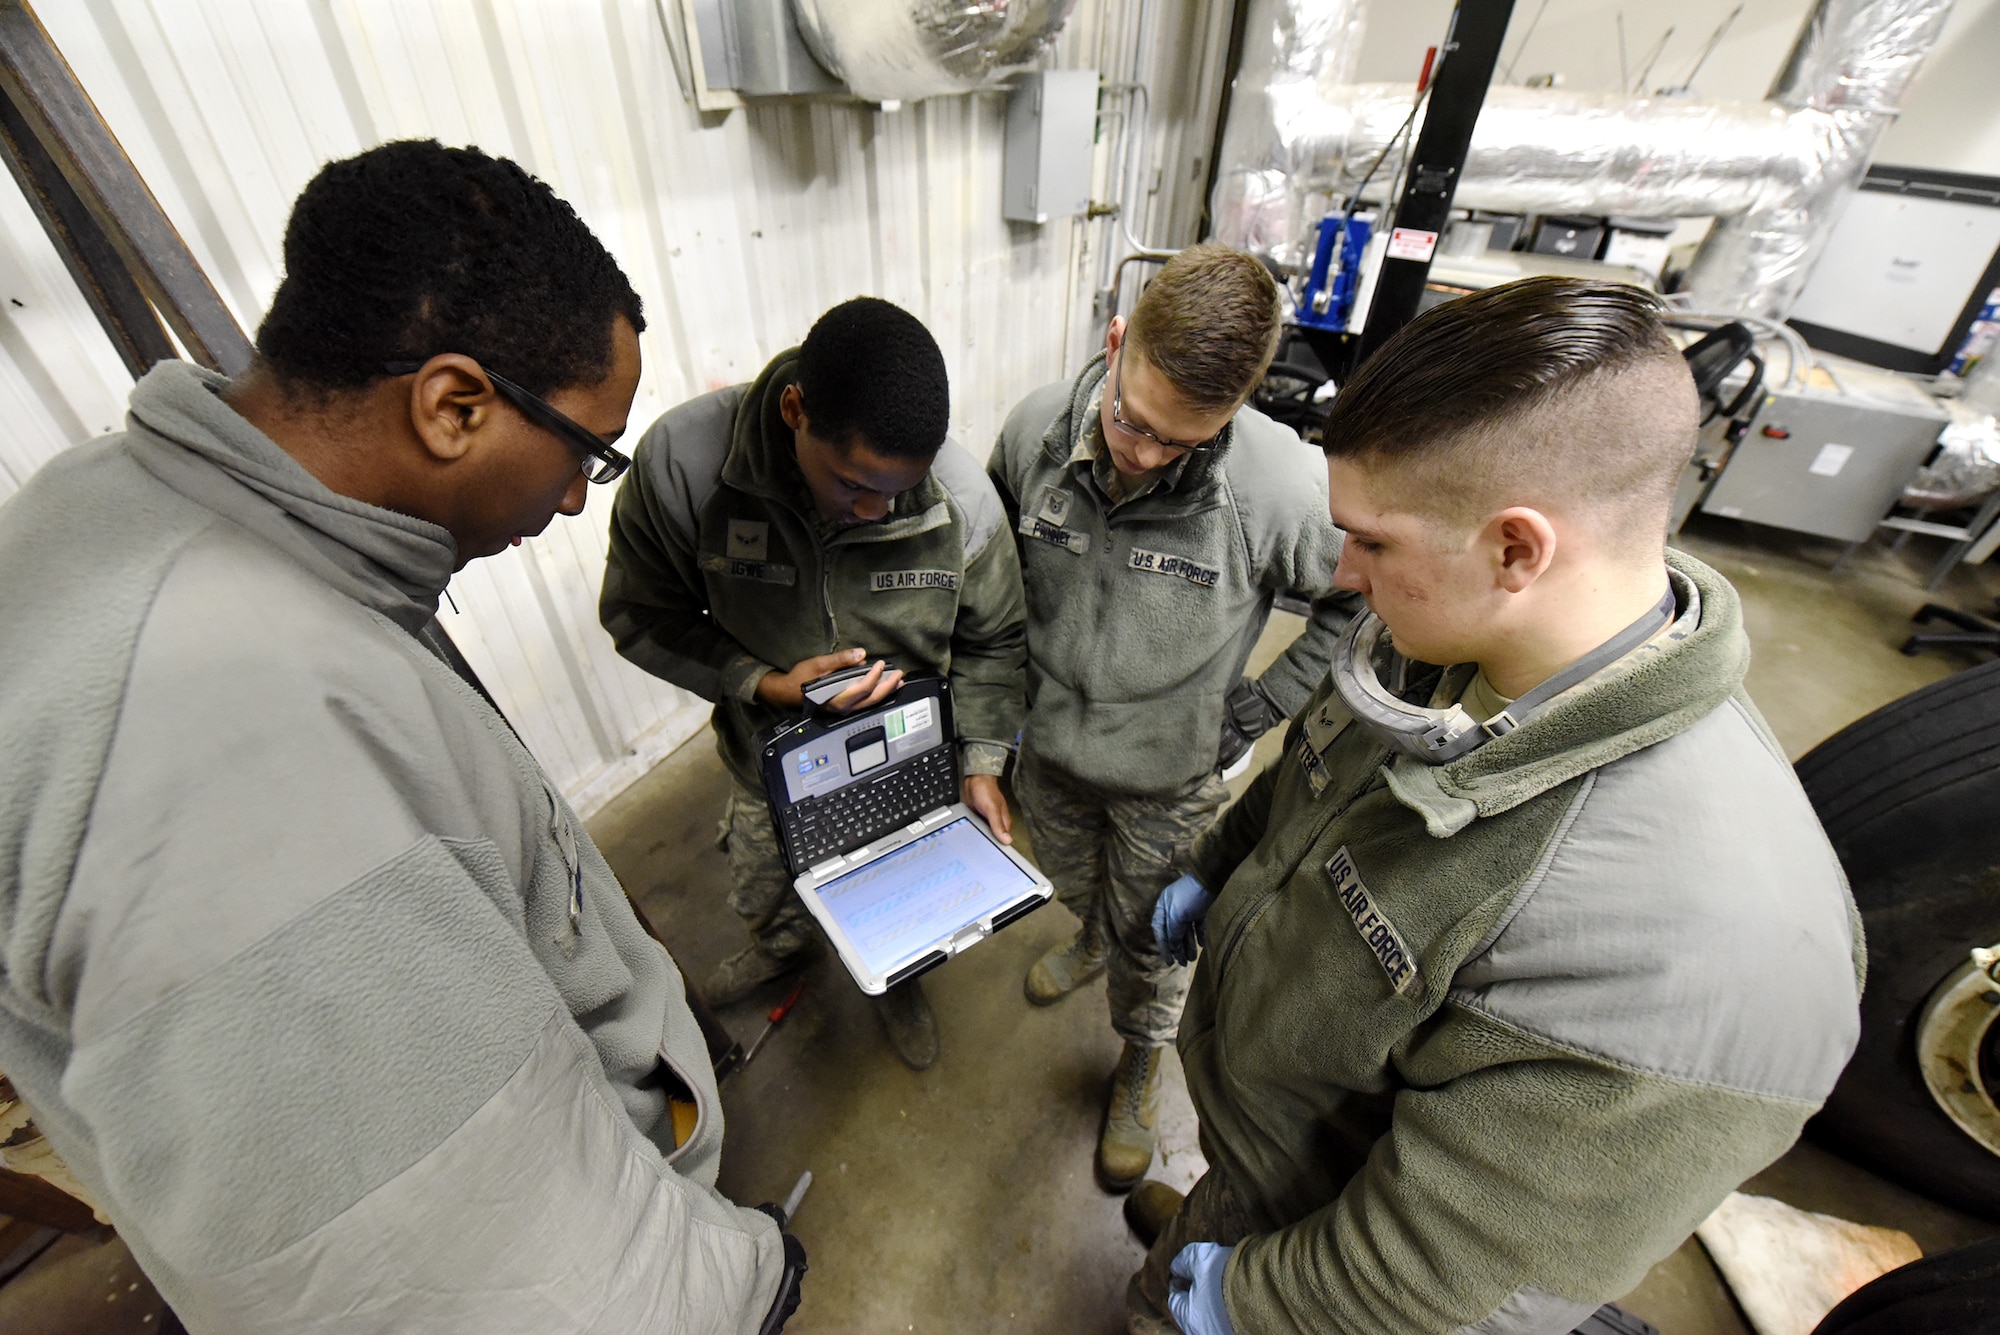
[
  {"x": 1066, "y": 968},
  {"x": 1149, "y": 1209},
  {"x": 907, "y": 1019},
  {"x": 1125, "y": 1149}
]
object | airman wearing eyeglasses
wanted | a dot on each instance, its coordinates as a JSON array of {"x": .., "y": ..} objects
[
  {"x": 313, "y": 977},
  {"x": 1157, "y": 519}
]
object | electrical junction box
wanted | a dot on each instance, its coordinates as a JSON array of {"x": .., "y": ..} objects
[
  {"x": 751, "y": 48},
  {"x": 1832, "y": 457},
  {"x": 1051, "y": 130}
]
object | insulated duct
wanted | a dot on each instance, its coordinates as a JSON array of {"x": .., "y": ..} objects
[
  {"x": 1292, "y": 49},
  {"x": 902, "y": 50},
  {"x": 1775, "y": 174},
  {"x": 1843, "y": 84}
]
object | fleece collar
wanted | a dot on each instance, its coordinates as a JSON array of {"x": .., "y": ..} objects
[
  {"x": 1661, "y": 689},
  {"x": 1199, "y": 477},
  {"x": 183, "y": 433},
  {"x": 763, "y": 463}
]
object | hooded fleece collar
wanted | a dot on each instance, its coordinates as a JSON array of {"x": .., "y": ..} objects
[
  {"x": 1201, "y": 471},
  {"x": 1660, "y": 689},
  {"x": 763, "y": 462},
  {"x": 182, "y": 432}
]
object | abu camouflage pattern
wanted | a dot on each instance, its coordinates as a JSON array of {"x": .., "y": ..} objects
[
  {"x": 1109, "y": 857},
  {"x": 760, "y": 885}
]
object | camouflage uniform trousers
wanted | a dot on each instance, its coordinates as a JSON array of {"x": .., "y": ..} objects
[
  {"x": 1110, "y": 855},
  {"x": 760, "y": 884}
]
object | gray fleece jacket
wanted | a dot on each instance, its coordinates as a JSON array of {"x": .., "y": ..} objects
[
  {"x": 720, "y": 570},
  {"x": 1474, "y": 1045},
  {"x": 1143, "y": 612},
  {"x": 291, "y": 971}
]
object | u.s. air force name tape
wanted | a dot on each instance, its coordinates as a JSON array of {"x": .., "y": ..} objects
[
  {"x": 1066, "y": 538},
  {"x": 769, "y": 572},
  {"x": 1166, "y": 563},
  {"x": 891, "y": 581},
  {"x": 1377, "y": 932}
]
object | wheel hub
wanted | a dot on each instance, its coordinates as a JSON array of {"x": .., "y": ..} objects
[{"x": 1958, "y": 1046}]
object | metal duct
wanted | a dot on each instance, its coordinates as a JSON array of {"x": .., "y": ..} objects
[
  {"x": 1291, "y": 50},
  {"x": 902, "y": 50},
  {"x": 1844, "y": 80},
  {"x": 1774, "y": 173}
]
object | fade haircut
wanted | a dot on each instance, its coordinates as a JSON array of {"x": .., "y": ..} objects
[
  {"x": 1209, "y": 323},
  {"x": 869, "y": 369},
  {"x": 413, "y": 249},
  {"x": 1562, "y": 393}
]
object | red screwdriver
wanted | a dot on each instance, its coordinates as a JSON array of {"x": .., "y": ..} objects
[{"x": 776, "y": 1018}]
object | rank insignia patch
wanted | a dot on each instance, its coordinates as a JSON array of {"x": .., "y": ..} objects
[
  {"x": 1055, "y": 505},
  {"x": 749, "y": 539}
]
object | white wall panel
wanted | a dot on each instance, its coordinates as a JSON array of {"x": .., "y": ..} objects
[{"x": 737, "y": 229}]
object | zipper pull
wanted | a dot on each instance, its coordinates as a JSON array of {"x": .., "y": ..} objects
[{"x": 565, "y": 838}]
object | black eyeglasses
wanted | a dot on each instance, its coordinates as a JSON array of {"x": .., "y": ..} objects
[
  {"x": 1118, "y": 418},
  {"x": 601, "y": 463}
]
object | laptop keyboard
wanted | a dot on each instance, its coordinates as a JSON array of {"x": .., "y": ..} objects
[{"x": 823, "y": 827}]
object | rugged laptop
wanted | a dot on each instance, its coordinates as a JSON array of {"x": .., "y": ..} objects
[{"x": 899, "y": 872}]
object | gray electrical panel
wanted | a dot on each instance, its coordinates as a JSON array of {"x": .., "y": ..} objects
[
  {"x": 1051, "y": 130},
  {"x": 753, "y": 48},
  {"x": 1830, "y": 459}
]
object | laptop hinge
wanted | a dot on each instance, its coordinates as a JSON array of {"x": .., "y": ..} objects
[{"x": 822, "y": 868}]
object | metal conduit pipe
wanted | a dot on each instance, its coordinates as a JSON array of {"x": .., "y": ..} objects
[{"x": 1775, "y": 174}]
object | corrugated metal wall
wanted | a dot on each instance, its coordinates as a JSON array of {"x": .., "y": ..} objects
[{"x": 736, "y": 228}]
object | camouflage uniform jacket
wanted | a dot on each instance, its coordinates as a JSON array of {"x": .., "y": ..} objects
[
  {"x": 1142, "y": 613},
  {"x": 1473, "y": 1046},
  {"x": 721, "y": 570}
]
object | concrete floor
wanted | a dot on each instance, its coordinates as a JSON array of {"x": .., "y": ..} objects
[{"x": 961, "y": 1199}]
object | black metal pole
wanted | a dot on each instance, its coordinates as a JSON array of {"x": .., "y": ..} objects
[
  {"x": 1465, "y": 67},
  {"x": 51, "y": 104}
]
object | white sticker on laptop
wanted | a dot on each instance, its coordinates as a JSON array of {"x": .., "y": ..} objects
[
  {"x": 913, "y": 717},
  {"x": 1830, "y": 460}
]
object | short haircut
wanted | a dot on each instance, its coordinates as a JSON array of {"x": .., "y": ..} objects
[
  {"x": 1209, "y": 322},
  {"x": 1560, "y": 392},
  {"x": 413, "y": 249},
  {"x": 870, "y": 370}
]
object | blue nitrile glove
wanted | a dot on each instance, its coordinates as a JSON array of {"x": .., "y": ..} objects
[
  {"x": 1194, "y": 1295},
  {"x": 1178, "y": 919}
]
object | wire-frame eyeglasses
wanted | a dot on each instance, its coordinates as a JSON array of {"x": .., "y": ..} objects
[{"x": 601, "y": 462}]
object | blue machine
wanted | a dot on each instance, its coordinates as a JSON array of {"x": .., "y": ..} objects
[{"x": 1328, "y": 299}]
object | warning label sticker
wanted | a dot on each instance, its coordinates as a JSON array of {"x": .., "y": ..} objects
[{"x": 1408, "y": 243}]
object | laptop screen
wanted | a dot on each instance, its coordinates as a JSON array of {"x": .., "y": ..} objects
[
  {"x": 855, "y": 750},
  {"x": 908, "y": 901}
]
